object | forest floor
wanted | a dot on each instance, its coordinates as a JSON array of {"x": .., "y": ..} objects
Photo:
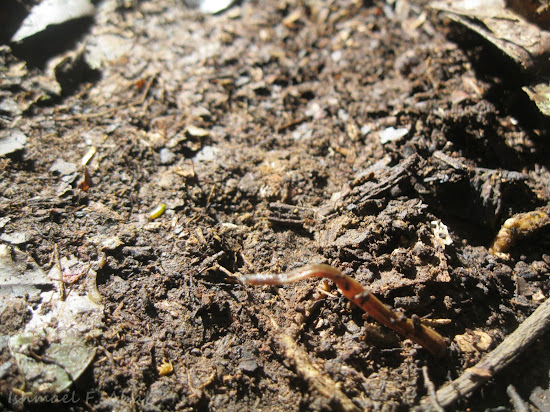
[{"x": 389, "y": 143}]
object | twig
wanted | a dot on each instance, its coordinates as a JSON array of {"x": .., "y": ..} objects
[
  {"x": 108, "y": 355},
  {"x": 60, "y": 283},
  {"x": 504, "y": 354},
  {"x": 292, "y": 123},
  {"x": 519, "y": 404},
  {"x": 431, "y": 391},
  {"x": 315, "y": 378}
]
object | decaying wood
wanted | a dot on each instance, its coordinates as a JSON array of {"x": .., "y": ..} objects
[
  {"x": 504, "y": 354},
  {"x": 390, "y": 179},
  {"x": 290, "y": 215}
]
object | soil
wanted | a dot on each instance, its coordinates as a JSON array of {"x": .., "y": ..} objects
[{"x": 273, "y": 133}]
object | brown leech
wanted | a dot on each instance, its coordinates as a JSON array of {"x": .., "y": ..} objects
[{"x": 354, "y": 291}]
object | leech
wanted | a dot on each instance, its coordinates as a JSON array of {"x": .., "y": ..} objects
[{"x": 415, "y": 331}]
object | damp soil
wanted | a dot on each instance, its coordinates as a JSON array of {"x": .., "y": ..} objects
[{"x": 386, "y": 142}]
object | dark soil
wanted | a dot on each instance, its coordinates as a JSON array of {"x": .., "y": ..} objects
[{"x": 260, "y": 129}]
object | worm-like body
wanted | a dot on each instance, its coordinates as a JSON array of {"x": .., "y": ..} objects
[{"x": 354, "y": 291}]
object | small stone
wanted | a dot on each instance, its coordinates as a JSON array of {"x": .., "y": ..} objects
[
  {"x": 15, "y": 238},
  {"x": 248, "y": 365},
  {"x": 10, "y": 106},
  {"x": 196, "y": 131},
  {"x": 166, "y": 156},
  {"x": 209, "y": 6},
  {"x": 365, "y": 129},
  {"x": 112, "y": 243},
  {"x": 208, "y": 153},
  {"x": 63, "y": 168},
  {"x": 12, "y": 143},
  {"x": 4, "y": 369},
  {"x": 391, "y": 134},
  {"x": 3, "y": 221}
]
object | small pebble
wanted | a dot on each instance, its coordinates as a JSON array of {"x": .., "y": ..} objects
[
  {"x": 248, "y": 365},
  {"x": 166, "y": 156},
  {"x": 391, "y": 134},
  {"x": 14, "y": 142}
]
